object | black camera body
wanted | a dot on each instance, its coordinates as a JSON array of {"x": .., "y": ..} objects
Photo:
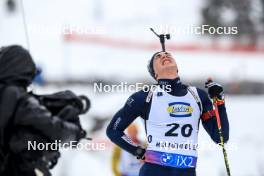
[{"x": 57, "y": 101}]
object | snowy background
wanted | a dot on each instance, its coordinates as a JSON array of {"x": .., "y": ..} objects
[{"x": 130, "y": 20}]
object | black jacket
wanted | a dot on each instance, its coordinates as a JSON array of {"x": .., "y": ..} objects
[{"x": 23, "y": 118}]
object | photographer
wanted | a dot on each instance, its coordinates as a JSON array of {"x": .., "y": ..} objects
[{"x": 27, "y": 117}]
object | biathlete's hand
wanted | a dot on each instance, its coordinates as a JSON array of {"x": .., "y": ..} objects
[
  {"x": 140, "y": 153},
  {"x": 214, "y": 89}
]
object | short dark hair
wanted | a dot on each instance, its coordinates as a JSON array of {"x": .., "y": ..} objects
[{"x": 151, "y": 65}]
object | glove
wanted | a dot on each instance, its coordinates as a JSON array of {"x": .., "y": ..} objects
[
  {"x": 214, "y": 89},
  {"x": 140, "y": 153}
]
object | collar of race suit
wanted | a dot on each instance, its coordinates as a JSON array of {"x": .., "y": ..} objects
[{"x": 173, "y": 86}]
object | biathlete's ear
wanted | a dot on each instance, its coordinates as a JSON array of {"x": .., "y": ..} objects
[
  {"x": 210, "y": 79},
  {"x": 156, "y": 76}
]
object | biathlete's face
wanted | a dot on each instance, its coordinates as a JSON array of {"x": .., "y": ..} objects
[{"x": 164, "y": 62}]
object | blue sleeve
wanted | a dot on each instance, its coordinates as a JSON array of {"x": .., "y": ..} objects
[
  {"x": 210, "y": 125},
  {"x": 133, "y": 108}
]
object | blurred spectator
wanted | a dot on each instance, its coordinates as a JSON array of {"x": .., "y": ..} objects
[
  {"x": 245, "y": 24},
  {"x": 11, "y": 5},
  {"x": 262, "y": 16},
  {"x": 214, "y": 11}
]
